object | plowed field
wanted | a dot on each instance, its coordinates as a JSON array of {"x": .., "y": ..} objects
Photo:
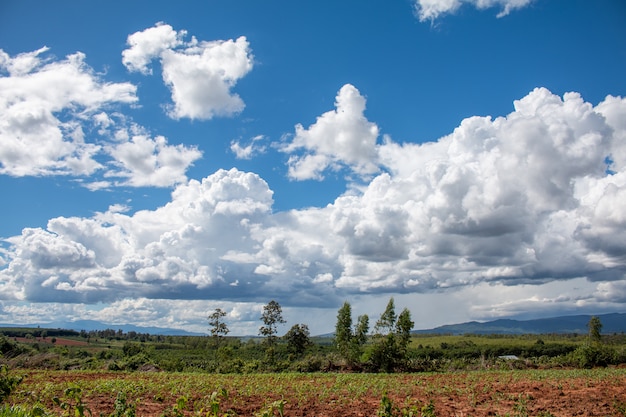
[{"x": 599, "y": 392}]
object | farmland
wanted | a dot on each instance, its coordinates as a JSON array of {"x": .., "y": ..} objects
[
  {"x": 599, "y": 392},
  {"x": 112, "y": 373}
]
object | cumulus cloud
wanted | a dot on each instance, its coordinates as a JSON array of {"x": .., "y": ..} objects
[
  {"x": 148, "y": 45},
  {"x": 57, "y": 117},
  {"x": 43, "y": 106},
  {"x": 524, "y": 199},
  {"x": 152, "y": 162},
  {"x": 338, "y": 138},
  {"x": 253, "y": 148},
  {"x": 432, "y": 9},
  {"x": 199, "y": 74}
]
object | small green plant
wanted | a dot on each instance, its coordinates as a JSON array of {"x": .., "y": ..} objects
[
  {"x": 521, "y": 406},
  {"x": 177, "y": 410},
  {"x": 386, "y": 408},
  {"x": 278, "y": 406},
  {"x": 620, "y": 407},
  {"x": 121, "y": 408},
  {"x": 8, "y": 383},
  {"x": 429, "y": 410},
  {"x": 72, "y": 401},
  {"x": 214, "y": 403}
]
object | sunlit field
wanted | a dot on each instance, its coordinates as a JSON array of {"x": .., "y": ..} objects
[{"x": 478, "y": 393}]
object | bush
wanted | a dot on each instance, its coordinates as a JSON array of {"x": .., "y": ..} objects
[
  {"x": 7, "y": 382},
  {"x": 311, "y": 363},
  {"x": 9, "y": 348},
  {"x": 589, "y": 356}
]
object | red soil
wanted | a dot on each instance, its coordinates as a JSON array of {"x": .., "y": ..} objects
[{"x": 454, "y": 394}]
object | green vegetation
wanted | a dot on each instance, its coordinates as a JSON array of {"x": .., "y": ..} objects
[
  {"x": 348, "y": 341},
  {"x": 391, "y": 348},
  {"x": 64, "y": 374},
  {"x": 392, "y": 335}
]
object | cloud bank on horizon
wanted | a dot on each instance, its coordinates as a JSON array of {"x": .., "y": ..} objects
[{"x": 534, "y": 197}]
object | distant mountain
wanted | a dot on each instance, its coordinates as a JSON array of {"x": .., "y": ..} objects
[
  {"x": 88, "y": 325},
  {"x": 611, "y": 323}
]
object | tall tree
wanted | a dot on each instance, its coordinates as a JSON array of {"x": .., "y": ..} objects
[
  {"x": 391, "y": 339},
  {"x": 360, "y": 331},
  {"x": 387, "y": 320},
  {"x": 595, "y": 329},
  {"x": 343, "y": 330},
  {"x": 218, "y": 325},
  {"x": 349, "y": 341},
  {"x": 404, "y": 325},
  {"x": 298, "y": 338},
  {"x": 272, "y": 316}
]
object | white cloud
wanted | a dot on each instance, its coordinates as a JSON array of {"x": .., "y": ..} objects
[
  {"x": 200, "y": 75},
  {"x": 340, "y": 137},
  {"x": 152, "y": 162},
  {"x": 56, "y": 119},
  {"x": 250, "y": 150},
  {"x": 43, "y": 106},
  {"x": 148, "y": 45},
  {"x": 432, "y": 9},
  {"x": 519, "y": 201}
]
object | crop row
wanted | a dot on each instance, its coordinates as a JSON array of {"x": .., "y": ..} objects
[{"x": 475, "y": 393}]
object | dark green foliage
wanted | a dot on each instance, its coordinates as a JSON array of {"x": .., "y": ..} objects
[
  {"x": 595, "y": 329},
  {"x": 219, "y": 328},
  {"x": 8, "y": 382},
  {"x": 590, "y": 356},
  {"x": 37, "y": 332},
  {"x": 132, "y": 349},
  {"x": 404, "y": 325},
  {"x": 343, "y": 330},
  {"x": 9, "y": 348},
  {"x": 298, "y": 338},
  {"x": 391, "y": 340},
  {"x": 272, "y": 316},
  {"x": 348, "y": 341},
  {"x": 387, "y": 320}
]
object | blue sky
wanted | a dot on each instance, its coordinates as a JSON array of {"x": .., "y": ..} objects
[{"x": 159, "y": 161}]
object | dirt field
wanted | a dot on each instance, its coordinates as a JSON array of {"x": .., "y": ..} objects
[{"x": 518, "y": 393}]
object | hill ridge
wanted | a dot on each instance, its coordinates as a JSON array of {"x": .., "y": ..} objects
[{"x": 611, "y": 323}]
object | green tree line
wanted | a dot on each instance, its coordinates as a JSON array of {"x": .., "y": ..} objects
[{"x": 387, "y": 346}]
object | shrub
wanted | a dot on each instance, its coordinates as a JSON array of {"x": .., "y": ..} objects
[
  {"x": 8, "y": 383},
  {"x": 589, "y": 356}
]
